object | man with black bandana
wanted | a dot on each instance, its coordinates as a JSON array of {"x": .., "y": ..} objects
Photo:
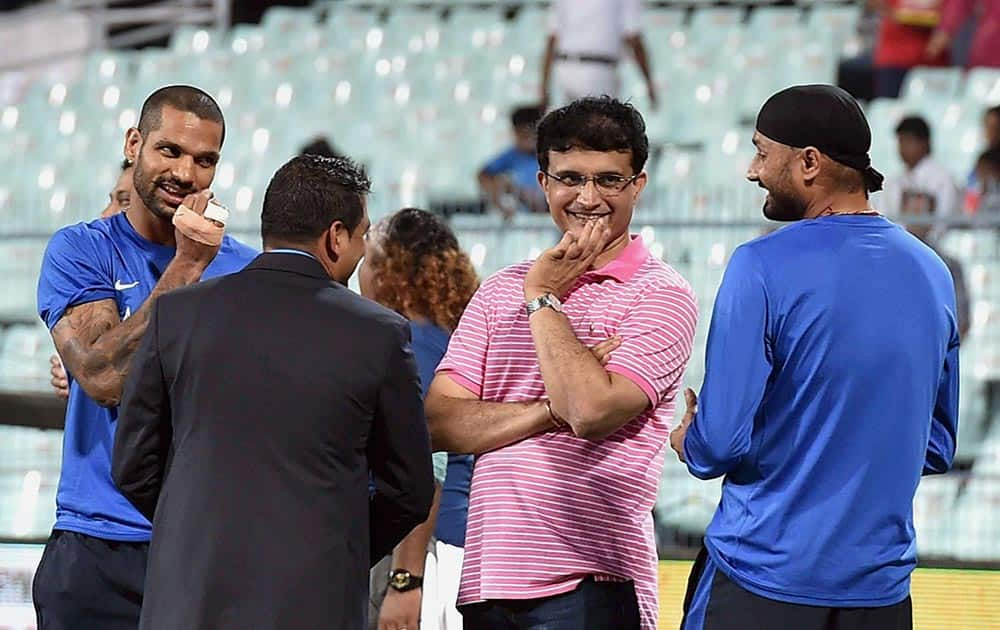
[{"x": 831, "y": 386}]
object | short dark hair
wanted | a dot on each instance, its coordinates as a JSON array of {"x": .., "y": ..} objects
[
  {"x": 845, "y": 178},
  {"x": 993, "y": 111},
  {"x": 526, "y": 116},
  {"x": 184, "y": 98},
  {"x": 991, "y": 157},
  {"x": 319, "y": 146},
  {"x": 308, "y": 194},
  {"x": 594, "y": 124},
  {"x": 914, "y": 126}
]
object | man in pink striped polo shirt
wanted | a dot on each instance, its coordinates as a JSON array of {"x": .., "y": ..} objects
[{"x": 570, "y": 442}]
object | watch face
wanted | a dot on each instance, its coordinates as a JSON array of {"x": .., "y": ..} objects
[{"x": 400, "y": 579}]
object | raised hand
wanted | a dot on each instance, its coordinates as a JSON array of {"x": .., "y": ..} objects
[
  {"x": 189, "y": 248},
  {"x": 557, "y": 269}
]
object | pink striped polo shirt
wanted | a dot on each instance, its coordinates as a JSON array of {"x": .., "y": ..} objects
[{"x": 552, "y": 509}]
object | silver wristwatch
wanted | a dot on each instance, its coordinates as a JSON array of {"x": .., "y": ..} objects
[{"x": 546, "y": 300}]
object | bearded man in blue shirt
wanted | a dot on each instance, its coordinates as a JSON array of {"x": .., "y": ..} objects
[
  {"x": 97, "y": 286},
  {"x": 831, "y": 386}
]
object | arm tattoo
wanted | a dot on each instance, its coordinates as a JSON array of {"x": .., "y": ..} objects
[{"x": 96, "y": 347}]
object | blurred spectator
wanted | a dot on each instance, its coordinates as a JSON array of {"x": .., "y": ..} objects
[
  {"x": 991, "y": 137},
  {"x": 320, "y": 146},
  {"x": 510, "y": 180},
  {"x": 585, "y": 46},
  {"x": 926, "y": 183},
  {"x": 118, "y": 198},
  {"x": 985, "y": 49},
  {"x": 991, "y": 127},
  {"x": 855, "y": 72},
  {"x": 902, "y": 43},
  {"x": 988, "y": 178},
  {"x": 924, "y": 230}
]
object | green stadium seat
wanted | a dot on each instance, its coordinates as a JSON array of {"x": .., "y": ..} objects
[
  {"x": 923, "y": 84},
  {"x": 982, "y": 87}
]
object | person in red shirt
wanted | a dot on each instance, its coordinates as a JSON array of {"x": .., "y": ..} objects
[
  {"x": 902, "y": 43},
  {"x": 985, "y": 49}
]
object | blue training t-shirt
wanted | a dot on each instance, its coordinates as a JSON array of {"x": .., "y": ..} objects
[
  {"x": 429, "y": 346},
  {"x": 105, "y": 259},
  {"x": 831, "y": 385}
]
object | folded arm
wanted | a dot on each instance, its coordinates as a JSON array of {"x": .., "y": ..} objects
[
  {"x": 592, "y": 401},
  {"x": 462, "y": 423}
]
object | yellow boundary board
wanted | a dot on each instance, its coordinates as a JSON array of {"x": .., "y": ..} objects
[{"x": 943, "y": 599}]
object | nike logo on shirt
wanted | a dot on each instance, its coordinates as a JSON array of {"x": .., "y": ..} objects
[{"x": 120, "y": 286}]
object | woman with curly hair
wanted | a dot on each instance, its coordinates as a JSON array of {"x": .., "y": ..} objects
[{"x": 414, "y": 265}]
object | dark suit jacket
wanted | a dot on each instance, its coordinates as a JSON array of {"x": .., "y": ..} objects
[{"x": 254, "y": 407}]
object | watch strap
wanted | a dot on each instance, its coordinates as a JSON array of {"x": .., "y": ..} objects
[{"x": 546, "y": 300}]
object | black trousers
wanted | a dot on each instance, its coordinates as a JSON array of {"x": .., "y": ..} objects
[
  {"x": 714, "y": 602},
  {"x": 87, "y": 583}
]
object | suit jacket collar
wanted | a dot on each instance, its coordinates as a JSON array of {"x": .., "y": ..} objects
[{"x": 291, "y": 263}]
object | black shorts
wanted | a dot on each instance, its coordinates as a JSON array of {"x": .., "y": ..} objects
[
  {"x": 714, "y": 602},
  {"x": 87, "y": 583}
]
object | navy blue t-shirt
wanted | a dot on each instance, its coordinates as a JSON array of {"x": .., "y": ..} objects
[
  {"x": 105, "y": 259},
  {"x": 429, "y": 346}
]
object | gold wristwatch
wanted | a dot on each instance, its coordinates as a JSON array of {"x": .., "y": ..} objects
[{"x": 402, "y": 580}]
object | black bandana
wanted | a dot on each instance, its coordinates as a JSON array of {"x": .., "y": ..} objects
[{"x": 825, "y": 117}]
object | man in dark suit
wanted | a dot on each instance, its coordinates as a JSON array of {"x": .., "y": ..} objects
[{"x": 254, "y": 410}]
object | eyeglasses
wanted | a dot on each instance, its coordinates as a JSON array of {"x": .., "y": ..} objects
[{"x": 607, "y": 184}]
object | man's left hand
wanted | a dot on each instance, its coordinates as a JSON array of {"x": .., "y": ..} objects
[
  {"x": 677, "y": 435},
  {"x": 557, "y": 269},
  {"x": 59, "y": 381},
  {"x": 400, "y": 611}
]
